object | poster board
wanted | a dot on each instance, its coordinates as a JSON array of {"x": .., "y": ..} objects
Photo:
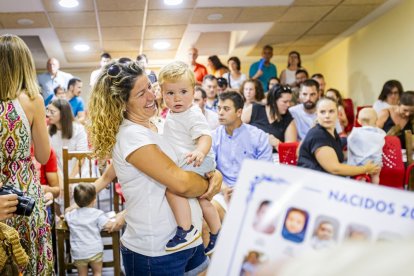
[{"x": 280, "y": 211}]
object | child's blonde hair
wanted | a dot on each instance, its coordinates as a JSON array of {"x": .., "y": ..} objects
[
  {"x": 367, "y": 116},
  {"x": 176, "y": 71}
]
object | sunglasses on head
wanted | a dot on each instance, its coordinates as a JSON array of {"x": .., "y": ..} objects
[{"x": 114, "y": 70}]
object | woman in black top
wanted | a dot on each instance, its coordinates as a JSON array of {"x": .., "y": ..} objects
[
  {"x": 398, "y": 118},
  {"x": 274, "y": 117},
  {"x": 321, "y": 149}
]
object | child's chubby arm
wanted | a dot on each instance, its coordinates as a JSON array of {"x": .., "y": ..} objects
[{"x": 203, "y": 147}]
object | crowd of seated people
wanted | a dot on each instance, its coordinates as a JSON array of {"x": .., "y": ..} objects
[{"x": 248, "y": 116}]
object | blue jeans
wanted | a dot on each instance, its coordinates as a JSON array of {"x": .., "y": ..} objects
[{"x": 187, "y": 262}]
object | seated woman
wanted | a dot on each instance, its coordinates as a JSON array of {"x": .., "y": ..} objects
[
  {"x": 253, "y": 92},
  {"x": 389, "y": 96},
  {"x": 121, "y": 106},
  {"x": 395, "y": 120},
  {"x": 336, "y": 95},
  {"x": 274, "y": 117},
  {"x": 321, "y": 149}
]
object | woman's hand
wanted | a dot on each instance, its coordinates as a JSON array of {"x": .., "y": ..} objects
[
  {"x": 215, "y": 180},
  {"x": 274, "y": 141},
  {"x": 116, "y": 223},
  {"x": 8, "y": 205},
  {"x": 371, "y": 168},
  {"x": 48, "y": 198}
]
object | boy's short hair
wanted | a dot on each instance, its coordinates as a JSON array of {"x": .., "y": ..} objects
[
  {"x": 176, "y": 71},
  {"x": 84, "y": 194},
  {"x": 57, "y": 88}
]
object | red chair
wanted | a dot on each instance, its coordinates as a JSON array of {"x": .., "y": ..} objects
[
  {"x": 356, "y": 124},
  {"x": 118, "y": 190},
  {"x": 350, "y": 114},
  {"x": 287, "y": 153},
  {"x": 393, "y": 170}
]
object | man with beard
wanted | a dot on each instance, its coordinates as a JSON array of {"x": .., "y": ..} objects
[{"x": 305, "y": 113}]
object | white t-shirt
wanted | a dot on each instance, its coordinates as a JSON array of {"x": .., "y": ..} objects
[
  {"x": 94, "y": 76},
  {"x": 365, "y": 143},
  {"x": 235, "y": 84},
  {"x": 212, "y": 119},
  {"x": 380, "y": 105},
  {"x": 305, "y": 121},
  {"x": 290, "y": 76},
  {"x": 78, "y": 142},
  {"x": 85, "y": 226},
  {"x": 150, "y": 221},
  {"x": 182, "y": 129}
]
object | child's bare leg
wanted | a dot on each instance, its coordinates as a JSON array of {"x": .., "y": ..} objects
[
  {"x": 211, "y": 215},
  {"x": 181, "y": 209},
  {"x": 96, "y": 268},
  {"x": 82, "y": 270},
  {"x": 375, "y": 178}
]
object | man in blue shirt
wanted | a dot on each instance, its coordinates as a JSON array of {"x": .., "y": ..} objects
[
  {"x": 263, "y": 70},
  {"x": 53, "y": 78},
  {"x": 74, "y": 99},
  {"x": 234, "y": 141}
]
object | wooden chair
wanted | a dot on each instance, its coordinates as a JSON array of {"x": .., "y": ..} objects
[{"x": 64, "y": 259}]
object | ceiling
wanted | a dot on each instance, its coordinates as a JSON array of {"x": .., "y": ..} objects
[{"x": 129, "y": 27}]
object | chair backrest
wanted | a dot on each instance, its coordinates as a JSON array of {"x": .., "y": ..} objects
[
  {"x": 350, "y": 114},
  {"x": 287, "y": 153},
  {"x": 409, "y": 146},
  {"x": 83, "y": 159},
  {"x": 359, "y": 108},
  {"x": 393, "y": 170}
]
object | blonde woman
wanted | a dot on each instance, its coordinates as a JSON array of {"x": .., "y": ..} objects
[
  {"x": 22, "y": 118},
  {"x": 121, "y": 106}
]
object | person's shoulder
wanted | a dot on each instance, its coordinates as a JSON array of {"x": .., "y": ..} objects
[
  {"x": 65, "y": 74},
  {"x": 199, "y": 65},
  {"x": 295, "y": 109},
  {"x": 254, "y": 131}
]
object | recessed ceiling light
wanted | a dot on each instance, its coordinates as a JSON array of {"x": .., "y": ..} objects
[
  {"x": 81, "y": 47},
  {"x": 162, "y": 45},
  {"x": 172, "y": 2},
  {"x": 68, "y": 3},
  {"x": 215, "y": 16},
  {"x": 25, "y": 21}
]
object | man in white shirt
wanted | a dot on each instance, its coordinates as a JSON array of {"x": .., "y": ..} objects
[
  {"x": 200, "y": 98},
  {"x": 53, "y": 78},
  {"x": 305, "y": 113},
  {"x": 105, "y": 59}
]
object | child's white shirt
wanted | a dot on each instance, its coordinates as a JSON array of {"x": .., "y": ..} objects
[
  {"x": 182, "y": 129},
  {"x": 365, "y": 143},
  {"x": 85, "y": 225}
]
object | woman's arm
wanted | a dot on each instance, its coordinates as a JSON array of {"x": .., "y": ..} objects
[
  {"x": 291, "y": 133},
  {"x": 153, "y": 162},
  {"x": 53, "y": 184},
  {"x": 283, "y": 77},
  {"x": 382, "y": 117},
  {"x": 342, "y": 116},
  {"x": 40, "y": 135},
  {"x": 247, "y": 114},
  {"x": 327, "y": 158}
]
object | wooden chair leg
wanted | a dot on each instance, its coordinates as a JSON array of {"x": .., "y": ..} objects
[
  {"x": 61, "y": 253},
  {"x": 116, "y": 253}
]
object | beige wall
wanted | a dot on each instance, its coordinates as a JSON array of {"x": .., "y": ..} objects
[{"x": 360, "y": 64}]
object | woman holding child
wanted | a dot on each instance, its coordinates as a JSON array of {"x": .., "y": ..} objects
[
  {"x": 321, "y": 149},
  {"x": 121, "y": 105}
]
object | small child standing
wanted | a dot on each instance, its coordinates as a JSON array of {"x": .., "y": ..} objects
[
  {"x": 85, "y": 225},
  {"x": 188, "y": 132},
  {"x": 365, "y": 143}
]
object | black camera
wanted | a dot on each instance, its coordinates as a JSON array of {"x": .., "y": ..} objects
[{"x": 25, "y": 205}]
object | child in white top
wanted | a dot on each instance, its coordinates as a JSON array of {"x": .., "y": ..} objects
[
  {"x": 85, "y": 226},
  {"x": 188, "y": 132},
  {"x": 365, "y": 143}
]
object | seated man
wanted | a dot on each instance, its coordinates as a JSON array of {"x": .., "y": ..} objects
[{"x": 234, "y": 141}]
